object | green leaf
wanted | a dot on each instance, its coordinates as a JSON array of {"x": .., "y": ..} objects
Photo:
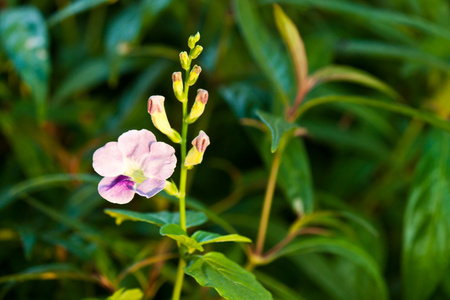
[
  {"x": 123, "y": 294},
  {"x": 397, "y": 108},
  {"x": 193, "y": 218},
  {"x": 279, "y": 289},
  {"x": 8, "y": 195},
  {"x": 205, "y": 237},
  {"x": 389, "y": 51},
  {"x": 47, "y": 272},
  {"x": 371, "y": 13},
  {"x": 229, "y": 279},
  {"x": 73, "y": 9},
  {"x": 345, "y": 73},
  {"x": 294, "y": 42},
  {"x": 177, "y": 233},
  {"x": 294, "y": 177},
  {"x": 278, "y": 127},
  {"x": 426, "y": 236},
  {"x": 28, "y": 238},
  {"x": 342, "y": 248},
  {"x": 24, "y": 38},
  {"x": 265, "y": 50}
]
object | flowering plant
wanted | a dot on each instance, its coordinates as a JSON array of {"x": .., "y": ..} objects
[{"x": 137, "y": 163}]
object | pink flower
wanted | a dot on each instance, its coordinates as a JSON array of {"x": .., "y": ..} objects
[{"x": 136, "y": 163}]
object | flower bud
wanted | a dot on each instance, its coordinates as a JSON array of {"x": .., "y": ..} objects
[
  {"x": 193, "y": 75},
  {"x": 193, "y": 39},
  {"x": 184, "y": 60},
  {"x": 155, "y": 108},
  {"x": 195, "y": 155},
  {"x": 196, "y": 52},
  {"x": 177, "y": 85},
  {"x": 171, "y": 188},
  {"x": 198, "y": 107}
]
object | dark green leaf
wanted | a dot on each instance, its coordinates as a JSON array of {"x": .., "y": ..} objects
[
  {"x": 73, "y": 9},
  {"x": 10, "y": 194},
  {"x": 295, "y": 179},
  {"x": 176, "y": 233},
  {"x": 397, "y": 108},
  {"x": 24, "y": 37},
  {"x": 28, "y": 238},
  {"x": 205, "y": 237},
  {"x": 371, "y": 13},
  {"x": 229, "y": 279},
  {"x": 345, "y": 73},
  {"x": 193, "y": 218},
  {"x": 47, "y": 272},
  {"x": 342, "y": 248},
  {"x": 265, "y": 49},
  {"x": 389, "y": 51},
  {"x": 278, "y": 127},
  {"x": 426, "y": 236}
]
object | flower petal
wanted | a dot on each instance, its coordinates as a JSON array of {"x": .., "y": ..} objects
[
  {"x": 108, "y": 160},
  {"x": 150, "y": 187},
  {"x": 135, "y": 145},
  {"x": 161, "y": 162},
  {"x": 118, "y": 189}
]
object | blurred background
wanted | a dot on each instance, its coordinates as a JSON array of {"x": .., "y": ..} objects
[{"x": 76, "y": 74}]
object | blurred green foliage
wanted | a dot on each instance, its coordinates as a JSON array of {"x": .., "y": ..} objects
[{"x": 76, "y": 74}]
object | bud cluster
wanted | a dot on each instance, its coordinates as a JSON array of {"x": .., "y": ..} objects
[{"x": 158, "y": 114}]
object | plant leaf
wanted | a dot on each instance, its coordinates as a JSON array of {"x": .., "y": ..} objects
[
  {"x": 278, "y": 127},
  {"x": 229, "y": 279},
  {"x": 342, "y": 248},
  {"x": 294, "y": 177},
  {"x": 47, "y": 272},
  {"x": 73, "y": 9},
  {"x": 265, "y": 50},
  {"x": 426, "y": 236},
  {"x": 389, "y": 51},
  {"x": 345, "y": 73},
  {"x": 177, "y": 233},
  {"x": 294, "y": 42},
  {"x": 8, "y": 195},
  {"x": 24, "y": 38},
  {"x": 397, "y": 108},
  {"x": 371, "y": 13},
  {"x": 193, "y": 218},
  {"x": 123, "y": 294},
  {"x": 205, "y": 237}
]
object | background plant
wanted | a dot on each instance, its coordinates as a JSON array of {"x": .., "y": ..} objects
[{"x": 372, "y": 181}]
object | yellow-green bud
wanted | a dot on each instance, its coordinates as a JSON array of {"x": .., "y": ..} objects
[
  {"x": 155, "y": 108},
  {"x": 171, "y": 188},
  {"x": 198, "y": 107},
  {"x": 178, "y": 85},
  {"x": 184, "y": 60},
  {"x": 196, "y": 52},
  {"x": 191, "y": 42},
  {"x": 193, "y": 75},
  {"x": 195, "y": 155},
  {"x": 193, "y": 39}
]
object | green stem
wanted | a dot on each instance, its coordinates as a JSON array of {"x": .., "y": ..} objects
[
  {"x": 269, "y": 197},
  {"x": 183, "y": 178},
  {"x": 402, "y": 109},
  {"x": 179, "y": 280}
]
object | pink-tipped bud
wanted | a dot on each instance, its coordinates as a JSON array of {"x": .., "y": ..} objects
[
  {"x": 178, "y": 85},
  {"x": 155, "y": 104},
  {"x": 199, "y": 106},
  {"x": 201, "y": 142},
  {"x": 195, "y": 155},
  {"x": 193, "y": 75},
  {"x": 155, "y": 108}
]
